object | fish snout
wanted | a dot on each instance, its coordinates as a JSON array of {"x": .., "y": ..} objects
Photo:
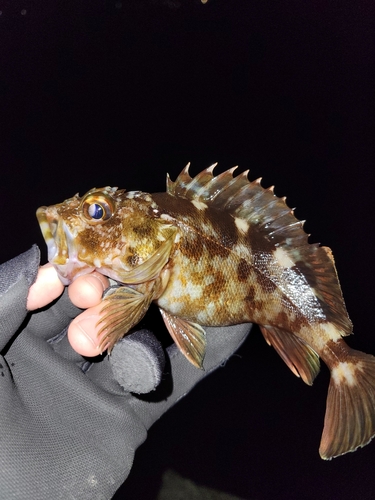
[
  {"x": 61, "y": 244},
  {"x": 53, "y": 231},
  {"x": 48, "y": 221}
]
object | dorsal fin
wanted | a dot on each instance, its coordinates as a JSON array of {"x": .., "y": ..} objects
[
  {"x": 273, "y": 221},
  {"x": 244, "y": 199}
]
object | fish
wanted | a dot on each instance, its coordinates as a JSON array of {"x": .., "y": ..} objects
[{"x": 218, "y": 250}]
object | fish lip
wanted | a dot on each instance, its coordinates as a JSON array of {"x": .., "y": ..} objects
[
  {"x": 69, "y": 273},
  {"x": 47, "y": 231},
  {"x": 62, "y": 250}
]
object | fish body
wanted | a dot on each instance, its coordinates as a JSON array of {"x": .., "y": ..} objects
[{"x": 214, "y": 251}]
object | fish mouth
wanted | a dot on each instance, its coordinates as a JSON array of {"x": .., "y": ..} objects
[{"x": 61, "y": 245}]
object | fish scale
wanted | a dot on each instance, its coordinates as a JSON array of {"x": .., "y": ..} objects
[{"x": 214, "y": 251}]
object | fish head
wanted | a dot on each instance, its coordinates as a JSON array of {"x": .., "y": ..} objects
[
  {"x": 73, "y": 231},
  {"x": 108, "y": 230}
]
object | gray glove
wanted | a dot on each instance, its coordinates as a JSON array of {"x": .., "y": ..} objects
[{"x": 70, "y": 427}]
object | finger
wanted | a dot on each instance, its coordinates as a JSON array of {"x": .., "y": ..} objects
[
  {"x": 83, "y": 332},
  {"x": 46, "y": 288},
  {"x": 86, "y": 291}
]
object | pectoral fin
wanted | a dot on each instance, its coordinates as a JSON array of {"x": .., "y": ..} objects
[
  {"x": 189, "y": 337},
  {"x": 299, "y": 357},
  {"x": 122, "y": 310}
]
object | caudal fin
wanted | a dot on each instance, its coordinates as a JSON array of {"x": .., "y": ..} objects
[{"x": 349, "y": 422}]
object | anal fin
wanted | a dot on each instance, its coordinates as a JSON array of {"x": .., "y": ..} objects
[
  {"x": 122, "y": 310},
  {"x": 189, "y": 337},
  {"x": 299, "y": 357}
]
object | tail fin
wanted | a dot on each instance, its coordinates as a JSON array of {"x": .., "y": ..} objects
[{"x": 350, "y": 415}]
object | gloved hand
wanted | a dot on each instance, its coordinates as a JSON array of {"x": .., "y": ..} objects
[{"x": 70, "y": 425}]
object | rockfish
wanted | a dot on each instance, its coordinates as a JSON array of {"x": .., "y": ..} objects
[{"x": 214, "y": 251}]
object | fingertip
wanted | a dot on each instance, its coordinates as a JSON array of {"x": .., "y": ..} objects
[
  {"x": 47, "y": 287},
  {"x": 86, "y": 291},
  {"x": 83, "y": 333}
]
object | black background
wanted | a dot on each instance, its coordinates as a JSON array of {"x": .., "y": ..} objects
[{"x": 104, "y": 93}]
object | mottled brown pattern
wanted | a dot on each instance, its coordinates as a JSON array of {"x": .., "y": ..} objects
[
  {"x": 138, "y": 229},
  {"x": 336, "y": 352},
  {"x": 143, "y": 230},
  {"x": 289, "y": 322},
  {"x": 264, "y": 282},
  {"x": 90, "y": 240},
  {"x": 175, "y": 207},
  {"x": 194, "y": 277},
  {"x": 191, "y": 248},
  {"x": 223, "y": 231},
  {"x": 282, "y": 320},
  {"x": 214, "y": 289},
  {"x": 251, "y": 294},
  {"x": 243, "y": 270},
  {"x": 132, "y": 260},
  {"x": 224, "y": 226},
  {"x": 216, "y": 250}
]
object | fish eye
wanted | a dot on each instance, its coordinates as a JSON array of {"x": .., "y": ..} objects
[
  {"x": 97, "y": 208},
  {"x": 96, "y": 211}
]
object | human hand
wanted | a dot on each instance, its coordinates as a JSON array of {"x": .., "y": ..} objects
[
  {"x": 70, "y": 427},
  {"x": 85, "y": 292}
]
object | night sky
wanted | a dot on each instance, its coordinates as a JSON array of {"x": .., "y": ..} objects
[{"x": 119, "y": 93}]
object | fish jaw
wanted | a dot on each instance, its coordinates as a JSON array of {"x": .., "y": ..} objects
[{"x": 62, "y": 250}]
